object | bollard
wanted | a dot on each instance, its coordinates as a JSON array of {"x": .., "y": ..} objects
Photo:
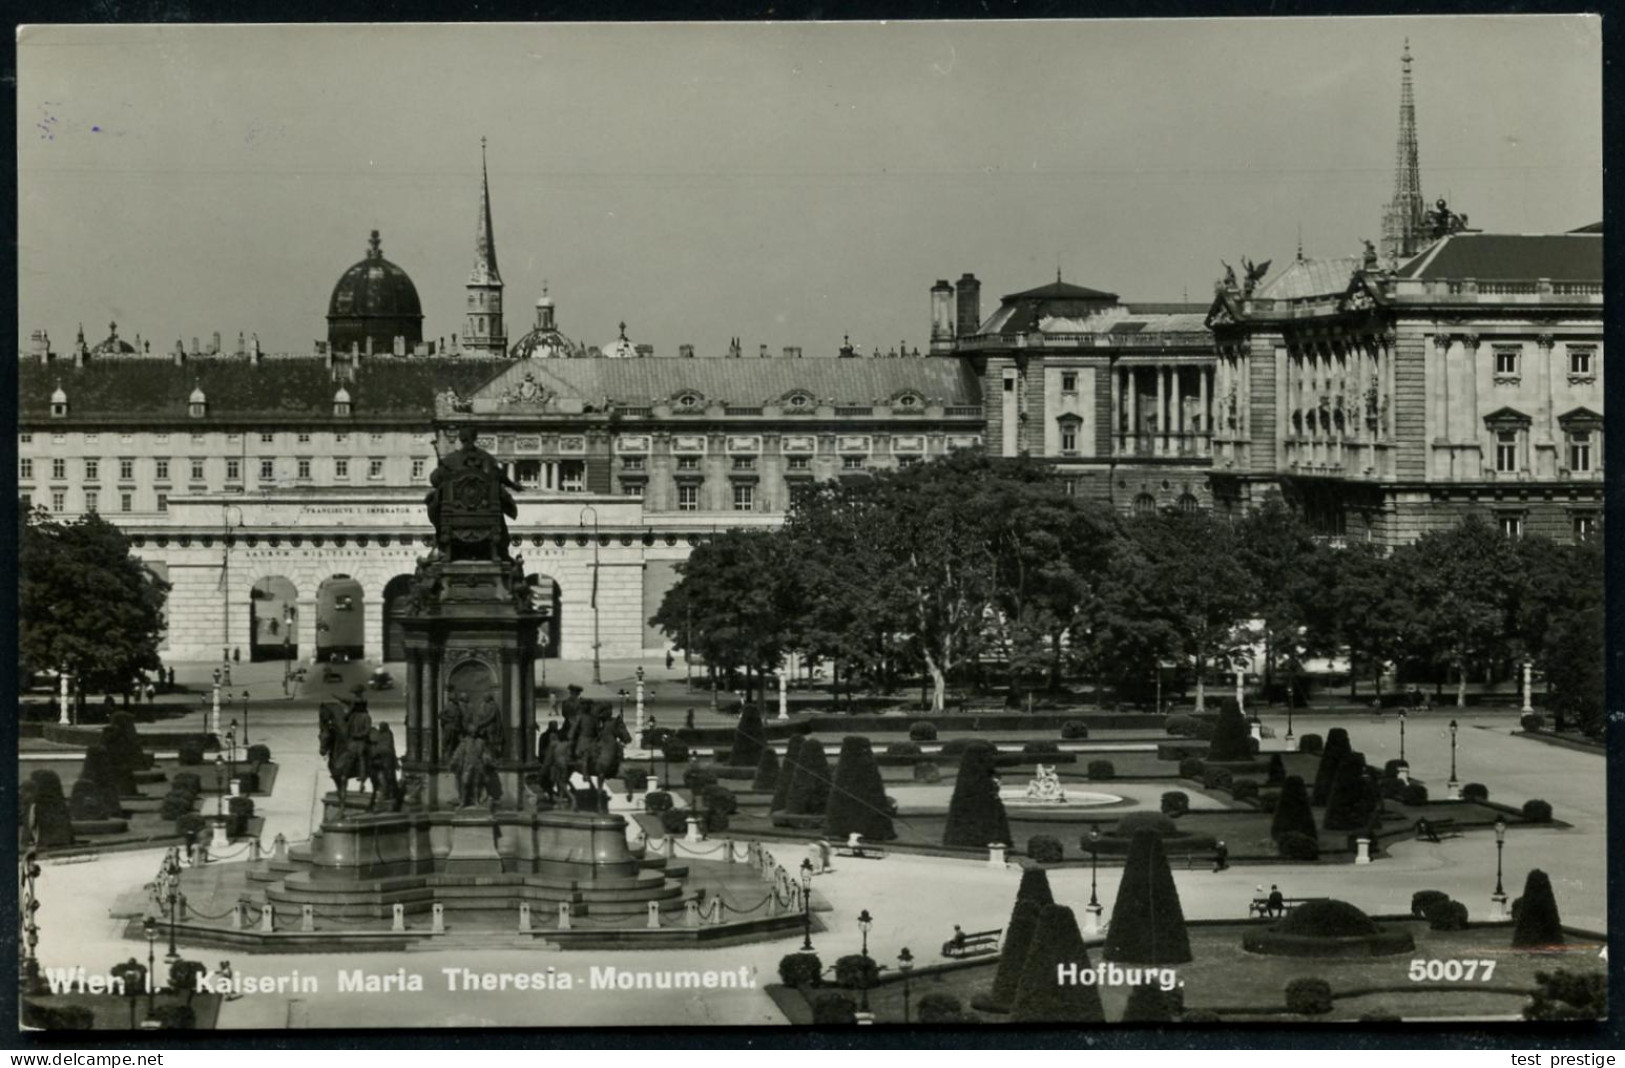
[
  {"x": 254, "y": 849},
  {"x": 238, "y": 915},
  {"x": 728, "y": 850},
  {"x": 279, "y": 847},
  {"x": 1362, "y": 850},
  {"x": 654, "y": 914},
  {"x": 397, "y": 917},
  {"x": 670, "y": 847},
  {"x": 524, "y": 917},
  {"x": 439, "y": 925},
  {"x": 691, "y": 913},
  {"x": 268, "y": 918},
  {"x": 564, "y": 915},
  {"x": 694, "y": 834},
  {"x": 1091, "y": 919},
  {"x": 307, "y": 917},
  {"x": 995, "y": 855}
]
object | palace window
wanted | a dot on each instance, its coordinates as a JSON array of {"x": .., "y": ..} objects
[
  {"x": 126, "y": 468},
  {"x": 1069, "y": 435},
  {"x": 92, "y": 438},
  {"x": 59, "y": 439},
  {"x": 1580, "y": 357},
  {"x": 199, "y": 438},
  {"x": 25, "y": 467},
  {"x": 632, "y": 489},
  {"x": 197, "y": 470},
  {"x": 304, "y": 438},
  {"x": 126, "y": 502},
  {"x": 1579, "y": 450},
  {"x": 267, "y": 470},
  {"x": 1188, "y": 503},
  {"x": 234, "y": 469},
  {"x": 1585, "y": 526},
  {"x": 26, "y": 439},
  {"x": 1070, "y": 485},
  {"x": 27, "y": 500},
  {"x": 688, "y": 463},
  {"x": 1506, "y": 360},
  {"x": 161, "y": 437},
  {"x": 267, "y": 438},
  {"x": 93, "y": 470},
  {"x": 798, "y": 463},
  {"x": 571, "y": 476},
  {"x": 59, "y": 500},
  {"x": 853, "y": 463},
  {"x": 1506, "y": 451},
  {"x": 304, "y": 468},
  {"x": 631, "y": 463},
  {"x": 744, "y": 463},
  {"x": 341, "y": 438},
  {"x": 375, "y": 468},
  {"x": 341, "y": 468},
  {"x": 126, "y": 437},
  {"x": 908, "y": 460},
  {"x": 377, "y": 436},
  {"x": 1069, "y": 382},
  {"x": 1510, "y": 524},
  {"x": 163, "y": 502},
  {"x": 744, "y": 497},
  {"x": 59, "y": 469},
  {"x": 688, "y": 498},
  {"x": 90, "y": 501},
  {"x": 1145, "y": 504},
  {"x": 234, "y": 438},
  {"x": 161, "y": 468},
  {"x": 418, "y": 466}
]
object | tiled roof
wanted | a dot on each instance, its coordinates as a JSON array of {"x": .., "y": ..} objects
[
  {"x": 148, "y": 390},
  {"x": 1317, "y": 277},
  {"x": 1059, "y": 290},
  {"x": 745, "y": 382},
  {"x": 1560, "y": 257}
]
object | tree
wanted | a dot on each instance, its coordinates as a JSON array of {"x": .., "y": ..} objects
[
  {"x": 1538, "y": 924},
  {"x": 1282, "y": 561},
  {"x": 976, "y": 815},
  {"x": 1018, "y": 939},
  {"x": 1559, "y": 624},
  {"x": 1370, "y": 616},
  {"x": 1566, "y": 995},
  {"x": 1348, "y": 803},
  {"x": 750, "y": 738},
  {"x": 857, "y": 800},
  {"x": 787, "y": 774},
  {"x": 97, "y": 789},
  {"x": 732, "y": 603},
  {"x": 1175, "y": 589},
  {"x": 53, "y": 825},
  {"x": 1292, "y": 812},
  {"x": 132, "y": 975},
  {"x": 85, "y": 606},
  {"x": 1336, "y": 748},
  {"x": 767, "y": 770},
  {"x": 1148, "y": 923},
  {"x": 809, "y": 791},
  {"x": 1042, "y": 996},
  {"x": 1232, "y": 740},
  {"x": 1459, "y": 582}
]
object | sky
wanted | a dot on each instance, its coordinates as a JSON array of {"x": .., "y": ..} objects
[{"x": 785, "y": 184}]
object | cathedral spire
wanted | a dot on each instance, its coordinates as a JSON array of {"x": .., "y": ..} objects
[
  {"x": 1404, "y": 223},
  {"x": 483, "y": 332}
]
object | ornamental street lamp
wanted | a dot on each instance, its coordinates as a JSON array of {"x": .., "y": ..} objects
[
  {"x": 245, "y": 717},
  {"x": 865, "y": 921},
  {"x": 172, "y": 892},
  {"x": 231, "y": 749},
  {"x": 1289, "y": 716},
  {"x": 597, "y": 667},
  {"x": 1094, "y": 866},
  {"x": 806, "y": 905},
  {"x": 287, "y": 651},
  {"x": 220, "y": 787},
  {"x": 905, "y": 964},
  {"x": 1453, "y": 784},
  {"x": 149, "y": 927},
  {"x": 648, "y": 741},
  {"x": 622, "y": 694},
  {"x": 1500, "y": 895},
  {"x": 1402, "y": 734}
]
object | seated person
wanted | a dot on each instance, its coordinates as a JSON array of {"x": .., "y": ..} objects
[
  {"x": 959, "y": 937},
  {"x": 1276, "y": 905}
]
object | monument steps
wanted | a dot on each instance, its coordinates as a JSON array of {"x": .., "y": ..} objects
[{"x": 465, "y": 940}]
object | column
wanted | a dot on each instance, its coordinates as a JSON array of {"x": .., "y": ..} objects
[
  {"x": 1441, "y": 387},
  {"x": 1114, "y": 430},
  {"x": 1161, "y": 436},
  {"x": 1133, "y": 381},
  {"x": 1548, "y": 371},
  {"x": 431, "y": 709},
  {"x": 1473, "y": 431},
  {"x": 1204, "y": 418},
  {"x": 305, "y": 627}
]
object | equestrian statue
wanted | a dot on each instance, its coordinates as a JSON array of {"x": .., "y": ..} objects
[
  {"x": 591, "y": 743},
  {"x": 356, "y": 749}
]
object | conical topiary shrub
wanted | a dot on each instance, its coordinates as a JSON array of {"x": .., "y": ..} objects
[
  {"x": 767, "y": 771},
  {"x": 1043, "y": 996},
  {"x": 787, "y": 773},
  {"x": 97, "y": 788},
  {"x": 1337, "y": 747},
  {"x": 1035, "y": 887},
  {"x": 1147, "y": 922},
  {"x": 809, "y": 791},
  {"x": 857, "y": 798},
  {"x": 749, "y": 738},
  {"x": 975, "y": 814},
  {"x": 1346, "y": 802},
  {"x": 1537, "y": 923},
  {"x": 53, "y": 826},
  {"x": 1018, "y": 939},
  {"x": 1149, "y": 1003},
  {"x": 1231, "y": 738},
  {"x": 1292, "y": 812}
]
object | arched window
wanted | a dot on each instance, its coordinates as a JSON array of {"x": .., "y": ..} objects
[
  {"x": 1145, "y": 504},
  {"x": 1188, "y": 503}
]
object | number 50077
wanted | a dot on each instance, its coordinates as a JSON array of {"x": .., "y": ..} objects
[{"x": 1451, "y": 970}]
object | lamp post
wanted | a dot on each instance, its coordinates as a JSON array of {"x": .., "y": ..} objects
[
  {"x": 149, "y": 927},
  {"x": 865, "y": 921},
  {"x": 172, "y": 893},
  {"x": 231, "y": 751},
  {"x": 1093, "y": 912},
  {"x": 640, "y": 699},
  {"x": 806, "y": 905},
  {"x": 214, "y": 705},
  {"x": 1402, "y": 735},
  {"x": 905, "y": 964},
  {"x": 597, "y": 666},
  {"x": 1500, "y": 896},
  {"x": 648, "y": 740},
  {"x": 1453, "y": 785},
  {"x": 287, "y": 651},
  {"x": 1289, "y": 717},
  {"x": 623, "y": 695},
  {"x": 220, "y": 787},
  {"x": 244, "y": 699}
]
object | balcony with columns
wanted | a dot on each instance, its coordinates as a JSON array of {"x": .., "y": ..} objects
[{"x": 1162, "y": 411}]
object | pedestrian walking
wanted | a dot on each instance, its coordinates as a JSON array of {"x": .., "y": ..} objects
[
  {"x": 1221, "y": 857},
  {"x": 151, "y": 692}
]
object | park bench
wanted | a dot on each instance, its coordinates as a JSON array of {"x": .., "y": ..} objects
[
  {"x": 1260, "y": 905},
  {"x": 1445, "y": 828},
  {"x": 973, "y": 944}
]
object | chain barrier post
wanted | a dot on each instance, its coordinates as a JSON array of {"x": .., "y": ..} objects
[
  {"x": 307, "y": 917},
  {"x": 439, "y": 919},
  {"x": 654, "y": 914},
  {"x": 268, "y": 918},
  {"x": 691, "y": 913},
  {"x": 279, "y": 847},
  {"x": 397, "y": 917},
  {"x": 524, "y": 917},
  {"x": 564, "y": 915}
]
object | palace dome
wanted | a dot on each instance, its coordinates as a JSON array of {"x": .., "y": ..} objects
[
  {"x": 112, "y": 344},
  {"x": 544, "y": 341},
  {"x": 374, "y": 300}
]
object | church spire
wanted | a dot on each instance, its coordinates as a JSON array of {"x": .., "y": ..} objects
[
  {"x": 483, "y": 332},
  {"x": 1404, "y": 224}
]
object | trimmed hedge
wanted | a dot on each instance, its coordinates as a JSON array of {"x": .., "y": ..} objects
[
  {"x": 1475, "y": 791},
  {"x": 259, "y": 754},
  {"x": 903, "y": 749},
  {"x": 856, "y": 972},
  {"x": 1148, "y": 923},
  {"x": 1044, "y": 748},
  {"x": 1074, "y": 729},
  {"x": 675, "y": 820},
  {"x": 1309, "y": 997},
  {"x": 857, "y": 798},
  {"x": 657, "y": 802},
  {"x": 1190, "y": 768},
  {"x": 1102, "y": 770},
  {"x": 1292, "y": 845},
  {"x": 1538, "y": 923},
  {"x": 1217, "y": 778},
  {"x": 939, "y": 1008},
  {"x": 927, "y": 771},
  {"x": 1446, "y": 915},
  {"x": 800, "y": 969},
  {"x": 1311, "y": 743},
  {"x": 1176, "y": 803},
  {"x": 1537, "y": 811},
  {"x": 1245, "y": 790},
  {"x": 1423, "y": 899},
  {"x": 1039, "y": 997},
  {"x": 1414, "y": 794},
  {"x": 1045, "y": 849},
  {"x": 767, "y": 771},
  {"x": 1532, "y": 721},
  {"x": 976, "y": 815},
  {"x": 191, "y": 753},
  {"x": 922, "y": 730},
  {"x": 834, "y": 1010},
  {"x": 675, "y": 750}
]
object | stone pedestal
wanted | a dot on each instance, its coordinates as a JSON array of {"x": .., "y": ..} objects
[
  {"x": 524, "y": 917},
  {"x": 1498, "y": 906},
  {"x": 1092, "y": 919},
  {"x": 438, "y": 919},
  {"x": 397, "y": 918},
  {"x": 694, "y": 834},
  {"x": 995, "y": 855},
  {"x": 1362, "y": 851},
  {"x": 474, "y": 836}
]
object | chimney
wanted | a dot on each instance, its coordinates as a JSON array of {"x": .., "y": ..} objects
[
  {"x": 762, "y": 352},
  {"x": 196, "y": 351},
  {"x": 644, "y": 351},
  {"x": 685, "y": 351},
  {"x": 400, "y": 345},
  {"x": 942, "y": 316},
  {"x": 214, "y": 344},
  {"x": 969, "y": 292},
  {"x": 180, "y": 353}
]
